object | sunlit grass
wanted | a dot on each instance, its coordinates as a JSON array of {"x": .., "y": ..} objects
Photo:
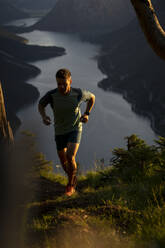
[{"x": 123, "y": 204}]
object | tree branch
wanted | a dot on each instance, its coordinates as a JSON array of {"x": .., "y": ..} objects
[{"x": 150, "y": 25}]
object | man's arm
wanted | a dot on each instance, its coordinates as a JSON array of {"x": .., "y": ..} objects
[
  {"x": 90, "y": 103},
  {"x": 46, "y": 119},
  {"x": 44, "y": 101}
]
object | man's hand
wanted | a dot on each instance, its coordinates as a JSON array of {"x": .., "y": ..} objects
[
  {"x": 84, "y": 118},
  {"x": 46, "y": 120}
]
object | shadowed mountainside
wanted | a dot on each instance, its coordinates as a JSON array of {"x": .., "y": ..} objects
[
  {"x": 9, "y": 12},
  {"x": 14, "y": 71},
  {"x": 134, "y": 69},
  {"x": 35, "y": 5},
  {"x": 78, "y": 16}
]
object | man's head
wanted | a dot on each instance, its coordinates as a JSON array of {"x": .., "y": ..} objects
[{"x": 64, "y": 80}]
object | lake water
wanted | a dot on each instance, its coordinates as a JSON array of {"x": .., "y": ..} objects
[{"x": 112, "y": 118}]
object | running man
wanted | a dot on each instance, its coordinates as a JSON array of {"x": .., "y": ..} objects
[{"x": 65, "y": 102}]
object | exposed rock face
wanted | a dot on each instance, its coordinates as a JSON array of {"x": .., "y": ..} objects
[{"x": 78, "y": 15}]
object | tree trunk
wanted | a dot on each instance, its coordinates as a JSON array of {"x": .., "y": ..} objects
[
  {"x": 6, "y": 144},
  {"x": 6, "y": 134},
  {"x": 150, "y": 25}
]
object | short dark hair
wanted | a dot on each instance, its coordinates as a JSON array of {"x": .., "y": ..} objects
[{"x": 63, "y": 73}]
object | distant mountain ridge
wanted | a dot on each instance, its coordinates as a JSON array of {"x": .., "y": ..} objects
[
  {"x": 78, "y": 15},
  {"x": 35, "y": 5},
  {"x": 9, "y": 12}
]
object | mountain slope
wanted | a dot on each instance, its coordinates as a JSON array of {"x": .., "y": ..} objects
[
  {"x": 133, "y": 67},
  {"x": 78, "y": 15},
  {"x": 35, "y": 5},
  {"x": 14, "y": 71},
  {"x": 9, "y": 12}
]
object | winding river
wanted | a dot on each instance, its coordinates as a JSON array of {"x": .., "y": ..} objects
[{"x": 112, "y": 118}]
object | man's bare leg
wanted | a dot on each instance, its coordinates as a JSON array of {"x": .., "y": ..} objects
[
  {"x": 63, "y": 159},
  {"x": 72, "y": 149},
  {"x": 67, "y": 159}
]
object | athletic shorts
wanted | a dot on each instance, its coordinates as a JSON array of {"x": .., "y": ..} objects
[{"x": 64, "y": 139}]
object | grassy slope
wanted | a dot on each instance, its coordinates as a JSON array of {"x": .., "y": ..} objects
[{"x": 121, "y": 206}]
